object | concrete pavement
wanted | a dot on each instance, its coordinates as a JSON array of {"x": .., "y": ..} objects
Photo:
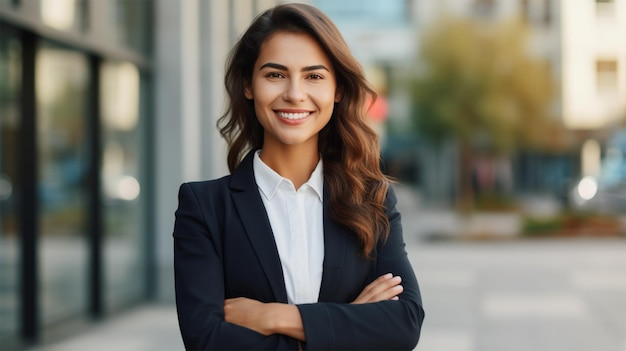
[
  {"x": 557, "y": 295},
  {"x": 152, "y": 327},
  {"x": 540, "y": 295}
]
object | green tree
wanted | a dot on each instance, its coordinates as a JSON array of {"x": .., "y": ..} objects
[{"x": 477, "y": 82}]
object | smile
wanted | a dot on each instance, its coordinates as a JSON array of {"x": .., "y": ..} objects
[{"x": 293, "y": 115}]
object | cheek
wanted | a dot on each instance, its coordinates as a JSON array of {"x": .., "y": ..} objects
[
  {"x": 259, "y": 107},
  {"x": 325, "y": 96},
  {"x": 267, "y": 93}
]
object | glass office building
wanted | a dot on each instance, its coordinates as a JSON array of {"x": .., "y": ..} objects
[{"x": 75, "y": 92}]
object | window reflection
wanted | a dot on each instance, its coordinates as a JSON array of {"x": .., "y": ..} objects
[
  {"x": 606, "y": 75},
  {"x": 130, "y": 22},
  {"x": 62, "y": 94},
  {"x": 120, "y": 85},
  {"x": 64, "y": 14},
  {"x": 121, "y": 161},
  {"x": 10, "y": 86}
]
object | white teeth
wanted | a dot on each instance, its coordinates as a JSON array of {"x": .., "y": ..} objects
[{"x": 288, "y": 115}]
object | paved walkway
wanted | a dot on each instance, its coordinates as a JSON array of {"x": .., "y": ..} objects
[
  {"x": 146, "y": 328},
  {"x": 520, "y": 295}
]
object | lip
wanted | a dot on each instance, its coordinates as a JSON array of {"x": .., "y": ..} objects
[{"x": 293, "y": 116}]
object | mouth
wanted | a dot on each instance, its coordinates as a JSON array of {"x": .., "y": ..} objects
[{"x": 293, "y": 116}]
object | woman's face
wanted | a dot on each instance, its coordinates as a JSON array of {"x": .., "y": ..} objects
[{"x": 294, "y": 89}]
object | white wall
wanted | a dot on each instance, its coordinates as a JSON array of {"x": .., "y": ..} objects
[{"x": 586, "y": 38}]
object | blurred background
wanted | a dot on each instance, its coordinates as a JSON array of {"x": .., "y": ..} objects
[{"x": 504, "y": 122}]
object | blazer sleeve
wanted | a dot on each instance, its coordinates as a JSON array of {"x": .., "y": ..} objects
[
  {"x": 199, "y": 284},
  {"x": 384, "y": 325}
]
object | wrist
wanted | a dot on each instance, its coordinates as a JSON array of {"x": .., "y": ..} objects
[
  {"x": 284, "y": 319},
  {"x": 271, "y": 318}
]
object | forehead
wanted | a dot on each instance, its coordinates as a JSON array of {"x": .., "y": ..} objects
[{"x": 292, "y": 49}]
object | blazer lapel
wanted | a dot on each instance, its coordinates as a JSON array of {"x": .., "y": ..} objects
[
  {"x": 335, "y": 241},
  {"x": 257, "y": 226}
]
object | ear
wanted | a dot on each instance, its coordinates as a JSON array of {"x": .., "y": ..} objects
[
  {"x": 247, "y": 91},
  {"x": 338, "y": 95}
]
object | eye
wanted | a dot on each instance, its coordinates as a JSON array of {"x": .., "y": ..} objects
[
  {"x": 315, "y": 76},
  {"x": 274, "y": 75}
]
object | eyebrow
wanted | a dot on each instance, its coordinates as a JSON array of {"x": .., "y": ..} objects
[{"x": 284, "y": 68}]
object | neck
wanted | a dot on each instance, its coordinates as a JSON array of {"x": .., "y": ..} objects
[{"x": 295, "y": 163}]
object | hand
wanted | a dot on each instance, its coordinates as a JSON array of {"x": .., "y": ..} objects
[
  {"x": 247, "y": 313},
  {"x": 385, "y": 287}
]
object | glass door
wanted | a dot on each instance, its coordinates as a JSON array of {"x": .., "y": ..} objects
[
  {"x": 10, "y": 87},
  {"x": 62, "y": 84}
]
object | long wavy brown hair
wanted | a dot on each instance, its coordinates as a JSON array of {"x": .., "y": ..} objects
[{"x": 356, "y": 186}]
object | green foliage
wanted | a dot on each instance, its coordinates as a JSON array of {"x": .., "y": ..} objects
[
  {"x": 477, "y": 82},
  {"x": 543, "y": 226},
  {"x": 572, "y": 224},
  {"x": 495, "y": 202}
]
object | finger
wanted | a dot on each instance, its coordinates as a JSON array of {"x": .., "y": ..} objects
[
  {"x": 387, "y": 294},
  {"x": 381, "y": 296},
  {"x": 369, "y": 289},
  {"x": 380, "y": 289},
  {"x": 384, "y": 285}
]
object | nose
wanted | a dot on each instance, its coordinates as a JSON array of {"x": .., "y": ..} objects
[{"x": 295, "y": 91}]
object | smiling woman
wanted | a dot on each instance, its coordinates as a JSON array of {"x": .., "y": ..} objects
[{"x": 301, "y": 246}]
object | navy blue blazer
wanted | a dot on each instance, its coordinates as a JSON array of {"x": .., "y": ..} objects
[{"x": 224, "y": 248}]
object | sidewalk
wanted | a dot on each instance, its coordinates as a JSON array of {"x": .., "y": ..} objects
[
  {"x": 145, "y": 328},
  {"x": 540, "y": 295}
]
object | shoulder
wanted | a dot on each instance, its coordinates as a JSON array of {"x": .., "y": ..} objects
[
  {"x": 206, "y": 189},
  {"x": 208, "y": 184},
  {"x": 391, "y": 198}
]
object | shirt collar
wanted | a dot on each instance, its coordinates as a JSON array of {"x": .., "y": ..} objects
[{"x": 268, "y": 180}]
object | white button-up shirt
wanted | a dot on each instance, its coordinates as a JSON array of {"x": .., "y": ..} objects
[{"x": 296, "y": 217}]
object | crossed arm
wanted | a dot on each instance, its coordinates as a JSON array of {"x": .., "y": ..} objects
[{"x": 285, "y": 319}]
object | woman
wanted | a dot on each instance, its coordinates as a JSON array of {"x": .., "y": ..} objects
[{"x": 301, "y": 246}]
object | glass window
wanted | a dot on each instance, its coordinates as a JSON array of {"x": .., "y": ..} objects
[
  {"x": 605, "y": 7},
  {"x": 10, "y": 86},
  {"x": 606, "y": 75},
  {"x": 124, "y": 241},
  {"x": 62, "y": 83},
  {"x": 130, "y": 21},
  {"x": 367, "y": 12},
  {"x": 64, "y": 14}
]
